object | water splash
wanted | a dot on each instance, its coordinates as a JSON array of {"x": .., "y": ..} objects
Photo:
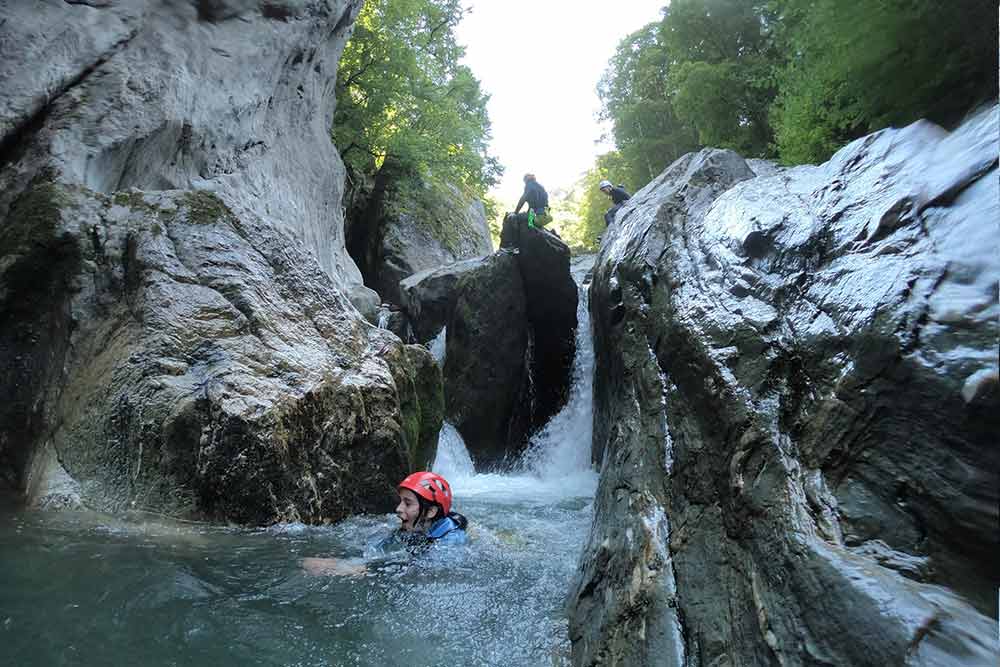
[
  {"x": 383, "y": 317},
  {"x": 562, "y": 447},
  {"x": 437, "y": 346},
  {"x": 453, "y": 461},
  {"x": 556, "y": 465}
]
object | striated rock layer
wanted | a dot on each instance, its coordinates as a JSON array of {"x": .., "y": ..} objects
[
  {"x": 177, "y": 330},
  {"x": 796, "y": 411}
]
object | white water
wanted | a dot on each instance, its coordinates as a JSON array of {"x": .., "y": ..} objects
[
  {"x": 437, "y": 346},
  {"x": 556, "y": 465},
  {"x": 114, "y": 592},
  {"x": 383, "y": 318}
]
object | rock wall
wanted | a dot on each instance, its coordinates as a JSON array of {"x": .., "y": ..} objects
[
  {"x": 176, "y": 322},
  {"x": 796, "y": 411},
  {"x": 511, "y": 339},
  {"x": 410, "y": 225}
]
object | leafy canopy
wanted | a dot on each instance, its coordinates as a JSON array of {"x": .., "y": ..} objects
[
  {"x": 787, "y": 79},
  {"x": 402, "y": 96}
]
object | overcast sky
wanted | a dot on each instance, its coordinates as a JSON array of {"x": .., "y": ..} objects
[{"x": 540, "y": 61}]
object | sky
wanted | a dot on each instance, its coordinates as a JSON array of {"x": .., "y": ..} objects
[{"x": 540, "y": 60}]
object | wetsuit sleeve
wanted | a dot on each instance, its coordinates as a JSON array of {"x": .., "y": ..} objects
[{"x": 521, "y": 201}]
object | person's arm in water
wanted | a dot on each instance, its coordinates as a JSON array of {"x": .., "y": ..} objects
[
  {"x": 352, "y": 567},
  {"x": 333, "y": 566}
]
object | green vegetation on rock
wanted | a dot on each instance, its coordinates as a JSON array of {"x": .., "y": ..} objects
[
  {"x": 404, "y": 100},
  {"x": 205, "y": 208},
  {"x": 792, "y": 80}
]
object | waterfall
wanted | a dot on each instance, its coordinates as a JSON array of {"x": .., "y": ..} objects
[
  {"x": 562, "y": 447},
  {"x": 383, "y": 317},
  {"x": 556, "y": 463},
  {"x": 453, "y": 460},
  {"x": 437, "y": 346}
]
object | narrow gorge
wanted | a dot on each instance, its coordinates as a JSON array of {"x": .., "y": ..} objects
[{"x": 758, "y": 427}]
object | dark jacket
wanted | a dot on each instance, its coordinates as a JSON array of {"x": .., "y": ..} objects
[
  {"x": 534, "y": 196},
  {"x": 618, "y": 195},
  {"x": 446, "y": 530}
]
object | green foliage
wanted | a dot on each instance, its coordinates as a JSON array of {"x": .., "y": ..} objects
[
  {"x": 578, "y": 214},
  {"x": 645, "y": 127},
  {"x": 856, "y": 66},
  {"x": 794, "y": 79},
  {"x": 720, "y": 81},
  {"x": 403, "y": 96}
]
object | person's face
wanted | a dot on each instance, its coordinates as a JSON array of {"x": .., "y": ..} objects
[
  {"x": 408, "y": 510},
  {"x": 606, "y": 190}
]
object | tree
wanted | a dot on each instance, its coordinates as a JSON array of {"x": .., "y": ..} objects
[
  {"x": 856, "y": 66},
  {"x": 633, "y": 92},
  {"x": 721, "y": 79},
  {"x": 405, "y": 101}
]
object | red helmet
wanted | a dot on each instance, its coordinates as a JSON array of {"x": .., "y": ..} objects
[{"x": 429, "y": 486}]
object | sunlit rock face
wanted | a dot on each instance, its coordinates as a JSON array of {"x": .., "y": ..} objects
[
  {"x": 796, "y": 411},
  {"x": 177, "y": 322},
  {"x": 432, "y": 228}
]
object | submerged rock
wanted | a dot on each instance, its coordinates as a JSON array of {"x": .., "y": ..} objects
[
  {"x": 794, "y": 467},
  {"x": 176, "y": 322}
]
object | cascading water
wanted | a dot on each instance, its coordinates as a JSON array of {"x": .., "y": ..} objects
[
  {"x": 383, "y": 317},
  {"x": 86, "y": 590},
  {"x": 437, "y": 346}
]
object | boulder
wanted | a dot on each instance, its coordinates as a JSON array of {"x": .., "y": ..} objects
[
  {"x": 176, "y": 325},
  {"x": 796, "y": 409},
  {"x": 428, "y": 297},
  {"x": 485, "y": 368},
  {"x": 544, "y": 261},
  {"x": 401, "y": 224},
  {"x": 425, "y": 227}
]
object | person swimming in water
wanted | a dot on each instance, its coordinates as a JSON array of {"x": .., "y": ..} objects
[{"x": 426, "y": 520}]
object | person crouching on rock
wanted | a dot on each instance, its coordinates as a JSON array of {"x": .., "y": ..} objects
[
  {"x": 426, "y": 520},
  {"x": 537, "y": 200},
  {"x": 618, "y": 199},
  {"x": 538, "y": 215}
]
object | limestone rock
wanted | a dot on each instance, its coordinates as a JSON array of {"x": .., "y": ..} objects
[
  {"x": 793, "y": 471},
  {"x": 428, "y": 297},
  {"x": 434, "y": 227},
  {"x": 176, "y": 325},
  {"x": 402, "y": 224}
]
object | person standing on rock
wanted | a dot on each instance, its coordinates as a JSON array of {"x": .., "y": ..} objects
[
  {"x": 425, "y": 518},
  {"x": 618, "y": 198}
]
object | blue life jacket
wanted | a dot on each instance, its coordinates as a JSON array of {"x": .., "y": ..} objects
[
  {"x": 446, "y": 530},
  {"x": 449, "y": 530}
]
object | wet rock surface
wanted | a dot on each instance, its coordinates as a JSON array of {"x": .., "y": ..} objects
[
  {"x": 428, "y": 297},
  {"x": 544, "y": 261},
  {"x": 511, "y": 339},
  {"x": 177, "y": 331},
  {"x": 486, "y": 369},
  {"x": 796, "y": 409}
]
